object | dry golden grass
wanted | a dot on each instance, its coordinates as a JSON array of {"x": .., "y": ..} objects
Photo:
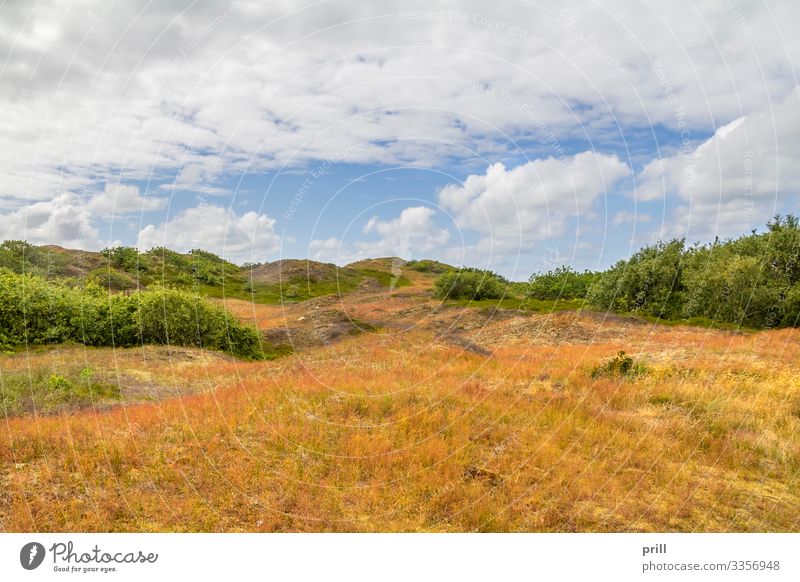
[{"x": 397, "y": 431}]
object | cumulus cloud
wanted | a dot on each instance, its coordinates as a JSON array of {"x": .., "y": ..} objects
[
  {"x": 64, "y": 221},
  {"x": 534, "y": 201},
  {"x": 413, "y": 234},
  {"x": 744, "y": 173},
  {"x": 407, "y": 236},
  {"x": 97, "y": 87},
  {"x": 249, "y": 237},
  {"x": 189, "y": 95},
  {"x": 325, "y": 249},
  {"x": 196, "y": 177},
  {"x": 119, "y": 199}
]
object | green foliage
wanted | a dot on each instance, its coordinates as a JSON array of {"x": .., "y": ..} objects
[
  {"x": 22, "y": 257},
  {"x": 650, "y": 282},
  {"x": 34, "y": 311},
  {"x": 209, "y": 269},
  {"x": 728, "y": 287},
  {"x": 36, "y": 389},
  {"x": 471, "y": 284},
  {"x": 560, "y": 283},
  {"x": 126, "y": 269},
  {"x": 124, "y": 258},
  {"x": 429, "y": 266},
  {"x": 752, "y": 281},
  {"x": 620, "y": 366},
  {"x": 385, "y": 278},
  {"x": 112, "y": 279},
  {"x": 171, "y": 316}
]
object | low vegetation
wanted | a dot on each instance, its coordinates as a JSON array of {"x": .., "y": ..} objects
[
  {"x": 470, "y": 284},
  {"x": 41, "y": 391},
  {"x": 125, "y": 268},
  {"x": 397, "y": 433},
  {"x": 429, "y": 266},
  {"x": 752, "y": 281},
  {"x": 488, "y": 408},
  {"x": 620, "y": 366},
  {"x": 560, "y": 283},
  {"x": 35, "y": 311}
]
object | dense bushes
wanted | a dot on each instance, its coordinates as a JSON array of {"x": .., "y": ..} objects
[
  {"x": 20, "y": 256},
  {"x": 124, "y": 258},
  {"x": 650, "y": 282},
  {"x": 470, "y": 284},
  {"x": 34, "y": 311},
  {"x": 753, "y": 280},
  {"x": 168, "y": 316},
  {"x": 160, "y": 264},
  {"x": 560, "y": 283}
]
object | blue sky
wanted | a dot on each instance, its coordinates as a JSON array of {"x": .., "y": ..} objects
[{"x": 516, "y": 137}]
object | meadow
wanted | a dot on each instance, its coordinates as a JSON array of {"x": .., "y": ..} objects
[{"x": 391, "y": 410}]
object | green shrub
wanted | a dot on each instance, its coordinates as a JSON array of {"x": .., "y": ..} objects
[
  {"x": 560, "y": 283},
  {"x": 112, "y": 279},
  {"x": 752, "y": 281},
  {"x": 620, "y": 366},
  {"x": 470, "y": 284},
  {"x": 22, "y": 257},
  {"x": 34, "y": 311},
  {"x": 650, "y": 282},
  {"x": 171, "y": 316},
  {"x": 124, "y": 258},
  {"x": 728, "y": 287},
  {"x": 429, "y": 266}
]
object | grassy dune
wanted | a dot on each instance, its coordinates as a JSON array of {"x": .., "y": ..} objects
[{"x": 404, "y": 430}]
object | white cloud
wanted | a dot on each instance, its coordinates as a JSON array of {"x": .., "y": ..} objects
[
  {"x": 626, "y": 217},
  {"x": 748, "y": 170},
  {"x": 249, "y": 237},
  {"x": 327, "y": 244},
  {"x": 534, "y": 201},
  {"x": 326, "y": 250},
  {"x": 189, "y": 95},
  {"x": 97, "y": 87},
  {"x": 118, "y": 199},
  {"x": 413, "y": 234},
  {"x": 410, "y": 235},
  {"x": 64, "y": 221},
  {"x": 198, "y": 177}
]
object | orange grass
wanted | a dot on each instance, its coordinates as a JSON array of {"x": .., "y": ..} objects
[{"x": 396, "y": 432}]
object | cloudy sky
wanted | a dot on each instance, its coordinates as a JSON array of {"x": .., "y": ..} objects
[{"x": 514, "y": 135}]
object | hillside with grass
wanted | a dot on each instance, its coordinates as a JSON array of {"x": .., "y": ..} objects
[
  {"x": 126, "y": 268},
  {"x": 160, "y": 391}
]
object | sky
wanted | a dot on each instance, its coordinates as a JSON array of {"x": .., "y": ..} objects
[{"x": 515, "y": 135}]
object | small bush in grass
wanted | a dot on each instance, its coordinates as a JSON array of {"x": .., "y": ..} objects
[
  {"x": 620, "y": 366},
  {"x": 470, "y": 284},
  {"x": 59, "y": 382}
]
